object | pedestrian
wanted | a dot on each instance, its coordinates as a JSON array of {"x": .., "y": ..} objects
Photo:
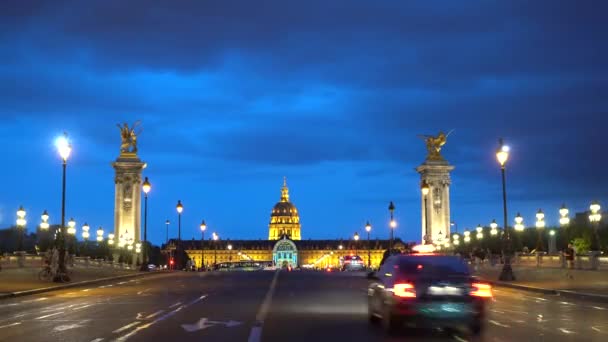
[{"x": 569, "y": 254}]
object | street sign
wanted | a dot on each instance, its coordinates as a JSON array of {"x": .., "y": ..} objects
[{"x": 204, "y": 323}]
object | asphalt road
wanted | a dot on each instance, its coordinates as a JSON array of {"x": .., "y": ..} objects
[{"x": 267, "y": 306}]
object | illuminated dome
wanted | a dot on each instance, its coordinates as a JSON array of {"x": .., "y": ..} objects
[{"x": 284, "y": 218}]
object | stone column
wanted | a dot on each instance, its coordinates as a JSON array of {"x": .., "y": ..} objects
[
  {"x": 127, "y": 199},
  {"x": 436, "y": 173}
]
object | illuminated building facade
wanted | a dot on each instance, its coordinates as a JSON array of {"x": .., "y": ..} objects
[{"x": 285, "y": 246}]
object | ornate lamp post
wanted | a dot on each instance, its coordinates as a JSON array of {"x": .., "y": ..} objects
[
  {"x": 203, "y": 228},
  {"x": 467, "y": 236},
  {"x": 356, "y": 238},
  {"x": 111, "y": 239},
  {"x": 21, "y": 222},
  {"x": 564, "y": 220},
  {"x": 368, "y": 229},
  {"x": 456, "y": 239},
  {"x": 595, "y": 217},
  {"x": 44, "y": 225},
  {"x": 179, "y": 209},
  {"x": 540, "y": 225},
  {"x": 493, "y": 228},
  {"x": 393, "y": 224},
  {"x": 479, "y": 230},
  {"x": 502, "y": 155},
  {"x": 146, "y": 187},
  {"x": 100, "y": 235},
  {"x": 85, "y": 236},
  {"x": 229, "y": 252},
  {"x": 519, "y": 223},
  {"x": 215, "y": 237},
  {"x": 64, "y": 147},
  {"x": 424, "y": 188}
]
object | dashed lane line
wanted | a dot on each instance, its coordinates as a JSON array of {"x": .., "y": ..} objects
[
  {"x": 128, "y": 326},
  {"x": 9, "y": 325},
  {"x": 50, "y": 315}
]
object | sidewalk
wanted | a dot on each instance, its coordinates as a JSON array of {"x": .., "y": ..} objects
[
  {"x": 565, "y": 282},
  {"x": 25, "y": 279}
]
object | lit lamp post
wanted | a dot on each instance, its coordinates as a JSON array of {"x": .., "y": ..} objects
[
  {"x": 21, "y": 222},
  {"x": 502, "y": 155},
  {"x": 203, "y": 228},
  {"x": 179, "y": 209},
  {"x": 519, "y": 223},
  {"x": 99, "y": 235},
  {"x": 467, "y": 236},
  {"x": 594, "y": 217},
  {"x": 393, "y": 224},
  {"x": 540, "y": 225},
  {"x": 356, "y": 238},
  {"x": 85, "y": 236},
  {"x": 456, "y": 239},
  {"x": 424, "y": 188},
  {"x": 44, "y": 225},
  {"x": 215, "y": 237},
  {"x": 111, "y": 240},
  {"x": 493, "y": 228},
  {"x": 167, "y": 223},
  {"x": 146, "y": 187},
  {"x": 368, "y": 229},
  {"x": 479, "y": 230},
  {"x": 564, "y": 220},
  {"x": 65, "y": 148},
  {"x": 229, "y": 252}
]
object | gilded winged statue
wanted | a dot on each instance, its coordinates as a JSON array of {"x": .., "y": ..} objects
[
  {"x": 434, "y": 145},
  {"x": 129, "y": 137}
]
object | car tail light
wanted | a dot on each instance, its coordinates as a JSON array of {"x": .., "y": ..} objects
[
  {"x": 482, "y": 290},
  {"x": 405, "y": 290}
]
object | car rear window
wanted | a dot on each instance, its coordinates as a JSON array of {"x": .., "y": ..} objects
[{"x": 433, "y": 265}]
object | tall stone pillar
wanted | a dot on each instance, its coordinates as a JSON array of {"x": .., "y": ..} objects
[
  {"x": 127, "y": 198},
  {"x": 435, "y": 171}
]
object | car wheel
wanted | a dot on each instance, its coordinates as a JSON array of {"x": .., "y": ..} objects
[{"x": 390, "y": 322}]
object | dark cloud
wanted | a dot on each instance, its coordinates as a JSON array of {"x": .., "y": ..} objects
[{"x": 322, "y": 90}]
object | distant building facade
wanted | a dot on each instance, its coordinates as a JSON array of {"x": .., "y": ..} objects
[{"x": 285, "y": 246}]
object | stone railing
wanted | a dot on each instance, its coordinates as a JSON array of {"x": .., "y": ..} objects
[
  {"x": 37, "y": 261},
  {"x": 581, "y": 262}
]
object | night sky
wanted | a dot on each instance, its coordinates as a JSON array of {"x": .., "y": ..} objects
[{"x": 234, "y": 95}]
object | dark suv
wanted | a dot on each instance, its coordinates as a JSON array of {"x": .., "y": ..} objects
[{"x": 427, "y": 291}]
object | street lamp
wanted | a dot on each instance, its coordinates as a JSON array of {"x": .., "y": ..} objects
[
  {"x": 595, "y": 217},
  {"x": 203, "y": 228},
  {"x": 493, "y": 226},
  {"x": 100, "y": 234},
  {"x": 502, "y": 155},
  {"x": 467, "y": 236},
  {"x": 85, "y": 236},
  {"x": 215, "y": 237},
  {"x": 230, "y": 252},
  {"x": 519, "y": 223},
  {"x": 72, "y": 227},
  {"x": 111, "y": 239},
  {"x": 356, "y": 238},
  {"x": 424, "y": 188},
  {"x": 564, "y": 220},
  {"x": 44, "y": 225},
  {"x": 479, "y": 230},
  {"x": 167, "y": 223},
  {"x": 21, "y": 222},
  {"x": 393, "y": 224},
  {"x": 368, "y": 229},
  {"x": 540, "y": 224},
  {"x": 146, "y": 187},
  {"x": 179, "y": 209},
  {"x": 64, "y": 147},
  {"x": 456, "y": 239}
]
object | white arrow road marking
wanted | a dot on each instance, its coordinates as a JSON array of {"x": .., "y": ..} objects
[
  {"x": 205, "y": 323},
  {"x": 159, "y": 319}
]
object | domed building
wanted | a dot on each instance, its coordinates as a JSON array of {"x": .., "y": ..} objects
[
  {"x": 285, "y": 246},
  {"x": 284, "y": 218}
]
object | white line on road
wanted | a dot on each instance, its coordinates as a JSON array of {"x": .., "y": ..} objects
[
  {"x": 34, "y": 300},
  {"x": 126, "y": 327},
  {"x": 86, "y": 290},
  {"x": 174, "y": 305},
  {"x": 592, "y": 328},
  {"x": 82, "y": 307},
  {"x": 122, "y": 282},
  {"x": 159, "y": 319},
  {"x": 142, "y": 291},
  {"x": 155, "y": 314},
  {"x": 256, "y": 332},
  {"x": 566, "y": 331},
  {"x": 97, "y": 340},
  {"x": 9, "y": 325},
  {"x": 598, "y": 308},
  {"x": 499, "y": 324},
  {"x": 50, "y": 315}
]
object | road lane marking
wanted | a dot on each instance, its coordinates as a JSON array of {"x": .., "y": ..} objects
[
  {"x": 256, "y": 332},
  {"x": 86, "y": 290},
  {"x": 598, "y": 308},
  {"x": 82, "y": 307},
  {"x": 34, "y": 300},
  {"x": 459, "y": 339},
  {"x": 159, "y": 319},
  {"x": 155, "y": 314},
  {"x": 566, "y": 331},
  {"x": 50, "y": 315},
  {"x": 174, "y": 305},
  {"x": 499, "y": 324},
  {"x": 122, "y": 282},
  {"x": 126, "y": 327},
  {"x": 592, "y": 328},
  {"x": 9, "y": 325},
  {"x": 97, "y": 340},
  {"x": 140, "y": 292}
]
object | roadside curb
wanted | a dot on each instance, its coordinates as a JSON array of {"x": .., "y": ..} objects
[
  {"x": 77, "y": 284},
  {"x": 562, "y": 293}
]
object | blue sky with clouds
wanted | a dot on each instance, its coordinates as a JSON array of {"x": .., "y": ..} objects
[{"x": 234, "y": 95}]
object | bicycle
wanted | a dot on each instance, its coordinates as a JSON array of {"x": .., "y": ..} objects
[{"x": 47, "y": 274}]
